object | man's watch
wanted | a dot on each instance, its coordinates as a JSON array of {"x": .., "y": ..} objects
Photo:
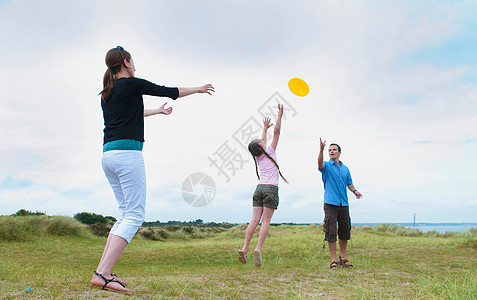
[{"x": 354, "y": 192}]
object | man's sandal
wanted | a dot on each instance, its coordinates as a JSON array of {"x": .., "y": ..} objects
[
  {"x": 334, "y": 265},
  {"x": 345, "y": 263},
  {"x": 108, "y": 281}
]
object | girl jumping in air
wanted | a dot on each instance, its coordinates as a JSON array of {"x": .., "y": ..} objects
[
  {"x": 123, "y": 163},
  {"x": 265, "y": 198}
]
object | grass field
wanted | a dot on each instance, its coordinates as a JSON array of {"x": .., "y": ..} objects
[{"x": 41, "y": 260}]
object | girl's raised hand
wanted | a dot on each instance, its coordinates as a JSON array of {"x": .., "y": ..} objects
[
  {"x": 280, "y": 110},
  {"x": 206, "y": 88},
  {"x": 266, "y": 123},
  {"x": 165, "y": 111}
]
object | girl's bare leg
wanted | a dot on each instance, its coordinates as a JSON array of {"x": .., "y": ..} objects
[
  {"x": 266, "y": 218},
  {"x": 256, "y": 216}
]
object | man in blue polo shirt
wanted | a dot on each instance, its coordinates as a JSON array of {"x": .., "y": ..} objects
[{"x": 336, "y": 178}]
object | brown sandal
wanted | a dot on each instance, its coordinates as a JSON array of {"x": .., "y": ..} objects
[
  {"x": 334, "y": 265},
  {"x": 345, "y": 263}
]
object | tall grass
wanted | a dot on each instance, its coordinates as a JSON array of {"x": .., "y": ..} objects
[
  {"x": 471, "y": 242},
  {"x": 191, "y": 263},
  {"x": 393, "y": 229},
  {"x": 176, "y": 232},
  {"x": 64, "y": 226},
  {"x": 27, "y": 228},
  {"x": 457, "y": 286}
]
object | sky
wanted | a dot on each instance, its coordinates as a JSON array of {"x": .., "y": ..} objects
[{"x": 394, "y": 83}]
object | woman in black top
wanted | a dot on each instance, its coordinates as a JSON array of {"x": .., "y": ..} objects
[{"x": 123, "y": 163}]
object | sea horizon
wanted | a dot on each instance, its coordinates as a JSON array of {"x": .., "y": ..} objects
[
  {"x": 418, "y": 223},
  {"x": 441, "y": 227},
  {"x": 425, "y": 227}
]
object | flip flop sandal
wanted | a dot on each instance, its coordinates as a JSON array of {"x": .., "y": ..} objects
[
  {"x": 117, "y": 278},
  {"x": 107, "y": 281},
  {"x": 334, "y": 265},
  {"x": 257, "y": 259},
  {"x": 345, "y": 263},
  {"x": 242, "y": 257}
]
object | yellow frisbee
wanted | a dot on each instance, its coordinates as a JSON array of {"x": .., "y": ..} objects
[{"x": 298, "y": 87}]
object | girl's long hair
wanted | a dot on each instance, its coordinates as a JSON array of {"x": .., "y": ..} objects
[
  {"x": 256, "y": 150},
  {"x": 114, "y": 60}
]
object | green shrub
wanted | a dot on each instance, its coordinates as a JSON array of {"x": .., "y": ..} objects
[
  {"x": 163, "y": 234},
  {"x": 188, "y": 229},
  {"x": 24, "y": 213},
  {"x": 100, "y": 229},
  {"x": 149, "y": 234},
  {"x": 91, "y": 218},
  {"x": 215, "y": 229},
  {"x": 111, "y": 219},
  {"x": 178, "y": 232},
  {"x": 172, "y": 227}
]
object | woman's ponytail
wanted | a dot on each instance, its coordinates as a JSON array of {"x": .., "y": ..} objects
[
  {"x": 114, "y": 60},
  {"x": 108, "y": 84}
]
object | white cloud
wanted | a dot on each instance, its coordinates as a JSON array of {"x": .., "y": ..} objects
[{"x": 399, "y": 121}]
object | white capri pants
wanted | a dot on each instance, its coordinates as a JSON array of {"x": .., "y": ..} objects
[{"x": 126, "y": 174}]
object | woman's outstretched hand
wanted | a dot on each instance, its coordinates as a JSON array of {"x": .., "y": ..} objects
[
  {"x": 156, "y": 111},
  {"x": 163, "y": 110},
  {"x": 186, "y": 91},
  {"x": 206, "y": 88}
]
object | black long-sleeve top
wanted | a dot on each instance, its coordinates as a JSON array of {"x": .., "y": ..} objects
[{"x": 124, "y": 113}]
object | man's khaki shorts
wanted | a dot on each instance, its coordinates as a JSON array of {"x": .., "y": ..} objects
[{"x": 336, "y": 214}]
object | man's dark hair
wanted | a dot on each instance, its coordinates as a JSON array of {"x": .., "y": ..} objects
[{"x": 339, "y": 148}]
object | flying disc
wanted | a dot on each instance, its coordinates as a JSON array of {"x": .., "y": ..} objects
[{"x": 298, "y": 87}]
